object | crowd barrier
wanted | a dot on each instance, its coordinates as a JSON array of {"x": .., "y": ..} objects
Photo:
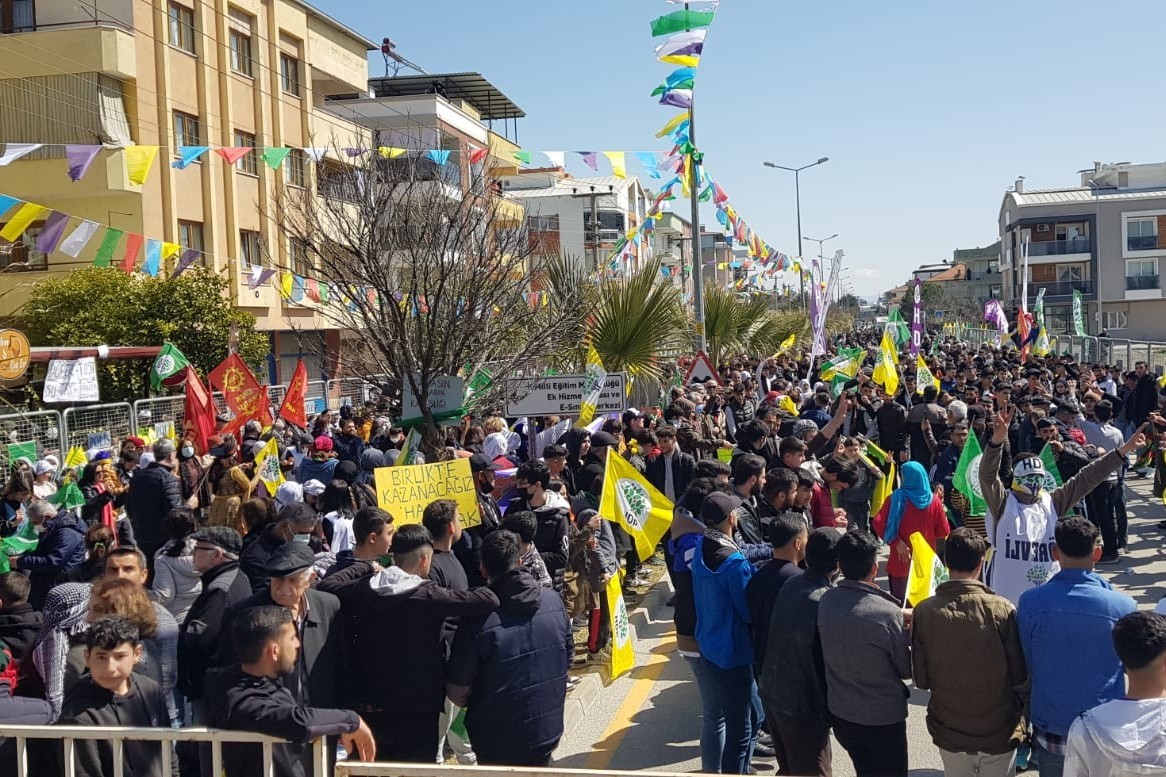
[
  {"x": 117, "y": 737},
  {"x": 351, "y": 769},
  {"x": 1113, "y": 351}
]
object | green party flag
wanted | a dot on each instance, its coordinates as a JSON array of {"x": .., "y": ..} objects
[
  {"x": 1049, "y": 458},
  {"x": 274, "y": 157},
  {"x": 170, "y": 362},
  {"x": 899, "y": 330},
  {"x": 967, "y": 476},
  {"x": 846, "y": 363},
  {"x": 68, "y": 496},
  {"x": 108, "y": 244},
  {"x": 681, "y": 21},
  {"x": 23, "y": 541},
  {"x": 22, "y": 450}
]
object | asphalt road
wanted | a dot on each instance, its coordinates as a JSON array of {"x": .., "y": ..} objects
[{"x": 649, "y": 719}]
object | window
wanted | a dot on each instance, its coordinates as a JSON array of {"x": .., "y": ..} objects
[
  {"x": 1142, "y": 234},
  {"x": 182, "y": 27},
  {"x": 190, "y": 236},
  {"x": 240, "y": 53},
  {"x": 249, "y": 163},
  {"x": 250, "y": 250},
  {"x": 1070, "y": 273},
  {"x": 187, "y": 131},
  {"x": 293, "y": 168},
  {"x": 297, "y": 257},
  {"x": 23, "y": 253},
  {"x": 1058, "y": 318},
  {"x": 1141, "y": 274},
  {"x": 17, "y": 16},
  {"x": 289, "y": 74}
]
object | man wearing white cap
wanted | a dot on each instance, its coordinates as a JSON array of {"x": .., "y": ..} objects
[
  {"x": 1021, "y": 520},
  {"x": 43, "y": 486}
]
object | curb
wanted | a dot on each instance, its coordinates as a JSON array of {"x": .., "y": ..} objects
[{"x": 580, "y": 700}]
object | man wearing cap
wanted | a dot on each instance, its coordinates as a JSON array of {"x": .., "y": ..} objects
[
  {"x": 216, "y": 559},
  {"x": 1103, "y": 502},
  {"x": 1021, "y": 520},
  {"x": 295, "y": 523},
  {"x": 316, "y": 617},
  {"x": 153, "y": 493},
  {"x": 467, "y": 550}
]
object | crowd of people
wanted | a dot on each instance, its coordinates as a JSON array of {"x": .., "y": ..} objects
[{"x": 181, "y": 588}]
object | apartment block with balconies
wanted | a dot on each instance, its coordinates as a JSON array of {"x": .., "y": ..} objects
[{"x": 1105, "y": 238}]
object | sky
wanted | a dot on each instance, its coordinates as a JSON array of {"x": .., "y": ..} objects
[{"x": 927, "y": 110}]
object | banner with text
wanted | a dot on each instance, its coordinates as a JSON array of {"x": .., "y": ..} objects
[
  {"x": 563, "y": 395},
  {"x": 406, "y": 491}
]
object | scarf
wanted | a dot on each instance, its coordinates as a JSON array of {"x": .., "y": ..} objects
[{"x": 916, "y": 489}]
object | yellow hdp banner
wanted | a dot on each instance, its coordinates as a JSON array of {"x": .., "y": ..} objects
[
  {"x": 635, "y": 504},
  {"x": 75, "y": 457},
  {"x": 927, "y": 571},
  {"x": 406, "y": 491},
  {"x": 882, "y": 491},
  {"x": 923, "y": 374},
  {"x": 885, "y": 371},
  {"x": 786, "y": 344},
  {"x": 19, "y": 222},
  {"x": 267, "y": 465},
  {"x": 139, "y": 160},
  {"x": 623, "y": 654},
  {"x": 594, "y": 379}
]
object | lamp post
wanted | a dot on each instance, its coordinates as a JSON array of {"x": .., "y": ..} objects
[
  {"x": 798, "y": 199},
  {"x": 821, "y": 252}
]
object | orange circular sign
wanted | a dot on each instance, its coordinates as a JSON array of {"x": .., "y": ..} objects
[{"x": 14, "y": 354}]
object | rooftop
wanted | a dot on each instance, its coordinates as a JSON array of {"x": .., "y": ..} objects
[
  {"x": 568, "y": 185},
  {"x": 473, "y": 88},
  {"x": 1083, "y": 194},
  {"x": 957, "y": 272}
]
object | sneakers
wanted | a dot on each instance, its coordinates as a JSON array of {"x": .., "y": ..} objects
[
  {"x": 765, "y": 751},
  {"x": 1111, "y": 558},
  {"x": 573, "y": 682},
  {"x": 580, "y": 621}
]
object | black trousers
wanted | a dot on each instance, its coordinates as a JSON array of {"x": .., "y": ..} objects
[
  {"x": 401, "y": 735},
  {"x": 802, "y": 746},
  {"x": 1101, "y": 507},
  {"x": 877, "y": 751}
]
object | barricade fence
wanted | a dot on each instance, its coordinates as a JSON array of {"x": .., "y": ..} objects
[
  {"x": 98, "y": 426},
  {"x": 34, "y": 434},
  {"x": 116, "y": 737},
  {"x": 1112, "y": 351}
]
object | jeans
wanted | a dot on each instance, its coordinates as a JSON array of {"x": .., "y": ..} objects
[
  {"x": 876, "y": 751},
  {"x": 712, "y": 723},
  {"x": 1119, "y": 509},
  {"x": 1048, "y": 764},
  {"x": 1100, "y": 507},
  {"x": 733, "y": 692}
]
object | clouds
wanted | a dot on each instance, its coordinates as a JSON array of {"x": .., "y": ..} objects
[{"x": 867, "y": 273}]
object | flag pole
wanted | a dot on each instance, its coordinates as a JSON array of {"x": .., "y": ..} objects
[{"x": 694, "y": 202}]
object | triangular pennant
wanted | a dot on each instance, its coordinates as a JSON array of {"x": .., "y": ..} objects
[
  {"x": 648, "y": 160},
  {"x": 477, "y": 154},
  {"x": 437, "y": 155},
  {"x": 139, "y": 160},
  {"x": 315, "y": 154},
  {"x": 273, "y": 157},
  {"x": 79, "y": 158},
  {"x": 14, "y": 151},
  {"x": 188, "y": 155},
  {"x": 108, "y": 244},
  {"x": 590, "y": 158},
  {"x": 153, "y": 264},
  {"x": 51, "y": 232},
  {"x": 388, "y": 152},
  {"x": 259, "y": 276},
  {"x": 188, "y": 257},
  {"x": 286, "y": 281},
  {"x": 169, "y": 250},
  {"x": 20, "y": 221},
  {"x": 133, "y": 246},
  {"x": 79, "y": 238},
  {"x": 353, "y": 153},
  {"x": 234, "y": 153},
  {"x": 523, "y": 157},
  {"x": 618, "y": 165}
]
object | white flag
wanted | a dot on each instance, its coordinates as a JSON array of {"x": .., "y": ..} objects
[
  {"x": 315, "y": 154},
  {"x": 558, "y": 158},
  {"x": 76, "y": 241},
  {"x": 14, "y": 151}
]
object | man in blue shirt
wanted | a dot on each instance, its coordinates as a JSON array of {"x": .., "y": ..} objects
[{"x": 1065, "y": 631}]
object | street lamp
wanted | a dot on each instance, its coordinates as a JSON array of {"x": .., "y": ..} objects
[
  {"x": 798, "y": 198},
  {"x": 822, "y": 242}
]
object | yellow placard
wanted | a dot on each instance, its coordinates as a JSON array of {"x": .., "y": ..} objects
[{"x": 406, "y": 491}]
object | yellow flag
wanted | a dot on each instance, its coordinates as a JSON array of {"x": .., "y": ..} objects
[
  {"x": 787, "y": 404},
  {"x": 170, "y": 249},
  {"x": 888, "y": 345},
  {"x": 618, "y": 165},
  {"x": 885, "y": 371},
  {"x": 672, "y": 124},
  {"x": 684, "y": 60},
  {"x": 927, "y": 571},
  {"x": 75, "y": 457},
  {"x": 267, "y": 465},
  {"x": 388, "y": 152},
  {"x": 139, "y": 160},
  {"x": 923, "y": 376},
  {"x": 27, "y": 214},
  {"x": 623, "y": 655},
  {"x": 286, "y": 282},
  {"x": 787, "y": 343},
  {"x": 882, "y": 490},
  {"x": 594, "y": 379},
  {"x": 149, "y": 436},
  {"x": 631, "y": 501}
]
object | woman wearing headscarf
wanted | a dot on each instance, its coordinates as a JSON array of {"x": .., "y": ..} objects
[
  {"x": 364, "y": 489},
  {"x": 912, "y": 507},
  {"x": 64, "y": 611},
  {"x": 231, "y": 484},
  {"x": 196, "y": 485},
  {"x": 578, "y": 444}
]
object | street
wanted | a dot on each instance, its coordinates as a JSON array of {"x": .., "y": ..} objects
[{"x": 649, "y": 718}]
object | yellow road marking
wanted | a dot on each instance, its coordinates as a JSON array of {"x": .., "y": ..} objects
[{"x": 621, "y": 722}]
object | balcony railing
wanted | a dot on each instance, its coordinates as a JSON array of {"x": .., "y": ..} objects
[
  {"x": 1141, "y": 282},
  {"x": 1077, "y": 245},
  {"x": 1141, "y": 243},
  {"x": 1060, "y": 288}
]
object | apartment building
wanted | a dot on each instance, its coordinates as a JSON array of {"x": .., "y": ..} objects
[
  {"x": 1104, "y": 238},
  {"x": 672, "y": 245}
]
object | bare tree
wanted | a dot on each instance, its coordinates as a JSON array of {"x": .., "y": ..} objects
[{"x": 431, "y": 268}]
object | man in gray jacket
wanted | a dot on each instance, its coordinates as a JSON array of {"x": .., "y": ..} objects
[{"x": 864, "y": 650}]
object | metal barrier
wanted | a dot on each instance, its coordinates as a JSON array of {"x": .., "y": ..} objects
[
  {"x": 155, "y": 411},
  {"x": 98, "y": 426},
  {"x": 275, "y": 395},
  {"x": 346, "y": 391},
  {"x": 316, "y": 397},
  {"x": 351, "y": 769},
  {"x": 41, "y": 427},
  {"x": 116, "y": 737}
]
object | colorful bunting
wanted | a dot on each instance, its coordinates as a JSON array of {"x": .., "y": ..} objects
[
  {"x": 477, "y": 154},
  {"x": 133, "y": 246},
  {"x": 234, "y": 154},
  {"x": 188, "y": 257},
  {"x": 108, "y": 244},
  {"x": 523, "y": 157},
  {"x": 648, "y": 160},
  {"x": 188, "y": 155},
  {"x": 618, "y": 164},
  {"x": 20, "y": 221},
  {"x": 389, "y": 152},
  {"x": 438, "y": 155},
  {"x": 139, "y": 160},
  {"x": 259, "y": 276},
  {"x": 273, "y": 157},
  {"x": 79, "y": 158},
  {"x": 558, "y": 158},
  {"x": 590, "y": 158},
  {"x": 681, "y": 21},
  {"x": 14, "y": 151},
  {"x": 315, "y": 154},
  {"x": 153, "y": 264},
  {"x": 51, "y": 232},
  {"x": 77, "y": 240}
]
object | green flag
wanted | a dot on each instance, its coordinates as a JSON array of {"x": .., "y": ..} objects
[
  {"x": 1049, "y": 458},
  {"x": 1078, "y": 314},
  {"x": 22, "y": 450},
  {"x": 23, "y": 541},
  {"x": 68, "y": 496},
  {"x": 170, "y": 362},
  {"x": 967, "y": 476},
  {"x": 899, "y": 329},
  {"x": 680, "y": 21},
  {"x": 846, "y": 364}
]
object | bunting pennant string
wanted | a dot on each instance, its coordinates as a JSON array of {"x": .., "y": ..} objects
[
  {"x": 106, "y": 249},
  {"x": 20, "y": 221},
  {"x": 133, "y": 246},
  {"x": 79, "y": 158},
  {"x": 139, "y": 160},
  {"x": 51, "y": 232},
  {"x": 188, "y": 155},
  {"x": 233, "y": 155},
  {"x": 153, "y": 264},
  {"x": 188, "y": 258},
  {"x": 273, "y": 157},
  {"x": 14, "y": 151},
  {"x": 79, "y": 238}
]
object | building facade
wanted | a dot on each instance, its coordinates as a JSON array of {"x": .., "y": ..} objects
[
  {"x": 672, "y": 245},
  {"x": 1104, "y": 238},
  {"x": 982, "y": 272}
]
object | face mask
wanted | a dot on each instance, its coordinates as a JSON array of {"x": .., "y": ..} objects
[
  {"x": 700, "y": 408},
  {"x": 187, "y": 451},
  {"x": 302, "y": 538},
  {"x": 1028, "y": 484}
]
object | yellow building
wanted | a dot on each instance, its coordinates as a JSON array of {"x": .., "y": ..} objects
[{"x": 178, "y": 73}]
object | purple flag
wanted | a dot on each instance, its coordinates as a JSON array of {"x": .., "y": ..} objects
[
  {"x": 259, "y": 276},
  {"x": 79, "y": 158},
  {"x": 917, "y": 319},
  {"x": 590, "y": 158},
  {"x": 50, "y": 233},
  {"x": 187, "y": 259},
  {"x": 680, "y": 98}
]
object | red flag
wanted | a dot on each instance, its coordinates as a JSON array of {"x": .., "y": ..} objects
[
  {"x": 198, "y": 421},
  {"x": 293, "y": 409},
  {"x": 241, "y": 390}
]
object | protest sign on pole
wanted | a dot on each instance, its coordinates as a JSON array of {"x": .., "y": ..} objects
[
  {"x": 406, "y": 491},
  {"x": 72, "y": 380}
]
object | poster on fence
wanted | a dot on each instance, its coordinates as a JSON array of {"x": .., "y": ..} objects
[
  {"x": 405, "y": 491},
  {"x": 72, "y": 380}
]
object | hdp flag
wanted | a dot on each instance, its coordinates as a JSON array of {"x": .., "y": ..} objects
[
  {"x": 408, "y": 448},
  {"x": 631, "y": 501},
  {"x": 846, "y": 363},
  {"x": 594, "y": 379},
  {"x": 23, "y": 541},
  {"x": 623, "y": 654},
  {"x": 68, "y": 496},
  {"x": 927, "y": 571},
  {"x": 882, "y": 488},
  {"x": 171, "y": 362},
  {"x": 787, "y": 343},
  {"x": 885, "y": 371},
  {"x": 294, "y": 410},
  {"x": 1049, "y": 458},
  {"x": 75, "y": 458},
  {"x": 923, "y": 374},
  {"x": 900, "y": 333},
  {"x": 267, "y": 465},
  {"x": 967, "y": 476}
]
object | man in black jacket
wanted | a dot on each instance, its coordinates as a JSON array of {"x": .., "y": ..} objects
[
  {"x": 216, "y": 554},
  {"x": 551, "y": 510},
  {"x": 400, "y": 610},
  {"x": 153, "y": 492},
  {"x": 19, "y": 620},
  {"x": 296, "y": 520},
  {"x": 673, "y": 469},
  {"x": 317, "y": 620},
  {"x": 249, "y": 697},
  {"x": 509, "y": 668}
]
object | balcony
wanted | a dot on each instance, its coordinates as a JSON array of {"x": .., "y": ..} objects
[
  {"x": 1061, "y": 288},
  {"x": 1141, "y": 282},
  {"x": 1142, "y": 243},
  {"x": 1079, "y": 245}
]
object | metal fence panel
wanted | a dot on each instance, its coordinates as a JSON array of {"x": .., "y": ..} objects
[
  {"x": 315, "y": 396},
  {"x": 98, "y": 426},
  {"x": 42, "y": 427},
  {"x": 346, "y": 391},
  {"x": 154, "y": 413}
]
